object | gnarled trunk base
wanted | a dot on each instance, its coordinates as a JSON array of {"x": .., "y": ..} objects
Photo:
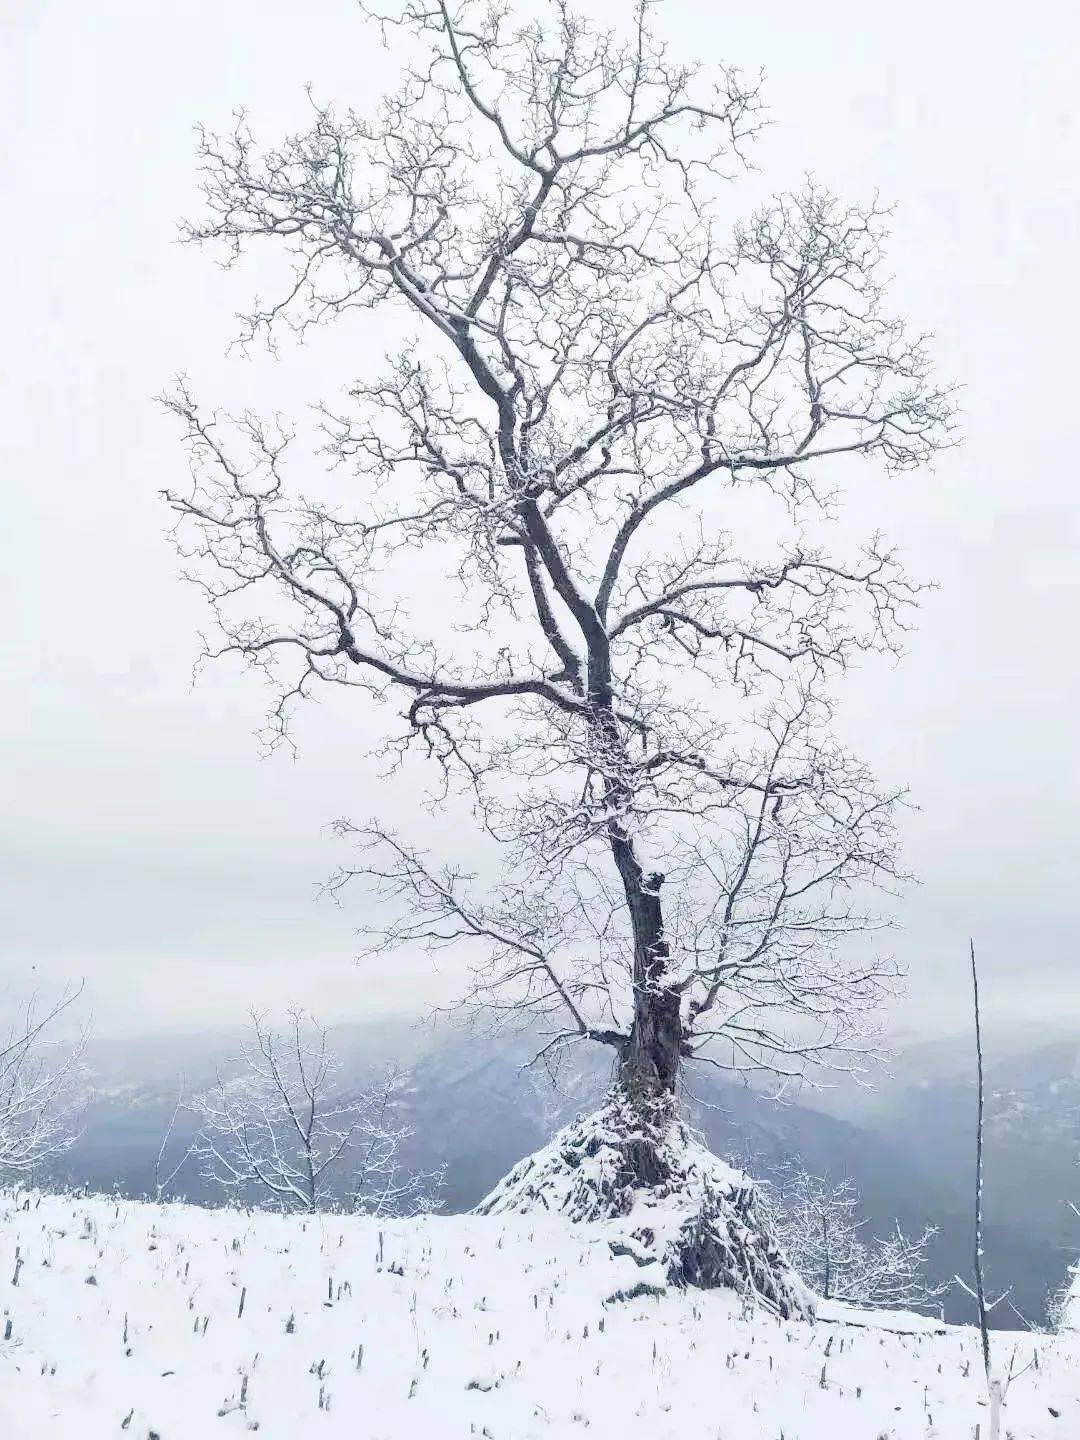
[{"x": 682, "y": 1214}]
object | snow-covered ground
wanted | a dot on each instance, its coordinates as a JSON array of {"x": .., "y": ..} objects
[{"x": 170, "y": 1321}]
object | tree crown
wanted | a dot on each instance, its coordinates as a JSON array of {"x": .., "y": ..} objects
[{"x": 603, "y": 380}]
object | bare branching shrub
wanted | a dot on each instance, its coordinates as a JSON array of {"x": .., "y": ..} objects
[
  {"x": 171, "y": 1159},
  {"x": 817, "y": 1222},
  {"x": 40, "y": 1088},
  {"x": 380, "y": 1184},
  {"x": 280, "y": 1129}
]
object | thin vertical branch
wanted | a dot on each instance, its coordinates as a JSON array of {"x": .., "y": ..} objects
[
  {"x": 165, "y": 1174},
  {"x": 980, "y": 1286}
]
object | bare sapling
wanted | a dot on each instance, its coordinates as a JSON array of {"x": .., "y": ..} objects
[
  {"x": 992, "y": 1382},
  {"x": 817, "y": 1221},
  {"x": 40, "y": 1088},
  {"x": 280, "y": 1128},
  {"x": 380, "y": 1184},
  {"x": 170, "y": 1160}
]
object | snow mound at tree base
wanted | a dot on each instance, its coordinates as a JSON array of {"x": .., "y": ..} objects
[{"x": 659, "y": 1196}]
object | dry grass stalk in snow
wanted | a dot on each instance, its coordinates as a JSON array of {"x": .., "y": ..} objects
[{"x": 448, "y": 1326}]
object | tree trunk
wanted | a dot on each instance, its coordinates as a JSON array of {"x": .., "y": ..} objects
[
  {"x": 699, "y": 1220},
  {"x": 651, "y": 1059},
  {"x": 650, "y": 1065}
]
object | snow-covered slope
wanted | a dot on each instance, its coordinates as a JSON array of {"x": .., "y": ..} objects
[{"x": 138, "y": 1320}]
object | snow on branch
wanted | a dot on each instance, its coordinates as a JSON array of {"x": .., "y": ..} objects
[
  {"x": 577, "y": 528},
  {"x": 39, "y": 1088},
  {"x": 817, "y": 1222},
  {"x": 282, "y": 1130}
]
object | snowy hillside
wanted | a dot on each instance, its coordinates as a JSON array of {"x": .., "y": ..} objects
[
  {"x": 477, "y": 1108},
  {"x": 170, "y": 1321}
]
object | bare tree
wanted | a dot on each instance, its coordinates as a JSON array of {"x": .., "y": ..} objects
[
  {"x": 606, "y": 453},
  {"x": 284, "y": 1130},
  {"x": 39, "y": 1090},
  {"x": 381, "y": 1184},
  {"x": 994, "y": 1385},
  {"x": 817, "y": 1221},
  {"x": 169, "y": 1161}
]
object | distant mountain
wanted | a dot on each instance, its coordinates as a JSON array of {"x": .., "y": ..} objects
[
  {"x": 474, "y": 1101},
  {"x": 1032, "y": 1137},
  {"x": 476, "y": 1107}
]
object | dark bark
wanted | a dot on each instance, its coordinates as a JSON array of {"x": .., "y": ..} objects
[
  {"x": 649, "y": 1070},
  {"x": 650, "y": 1060},
  {"x": 650, "y": 1066}
]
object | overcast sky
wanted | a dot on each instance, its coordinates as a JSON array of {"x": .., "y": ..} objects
[{"x": 147, "y": 847}]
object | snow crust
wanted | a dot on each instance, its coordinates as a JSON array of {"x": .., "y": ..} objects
[{"x": 132, "y": 1320}]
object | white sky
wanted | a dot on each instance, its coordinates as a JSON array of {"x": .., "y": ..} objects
[{"x": 145, "y": 845}]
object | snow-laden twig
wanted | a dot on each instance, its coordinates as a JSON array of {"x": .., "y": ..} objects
[
  {"x": 816, "y": 1219},
  {"x": 281, "y": 1128},
  {"x": 40, "y": 1085}
]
